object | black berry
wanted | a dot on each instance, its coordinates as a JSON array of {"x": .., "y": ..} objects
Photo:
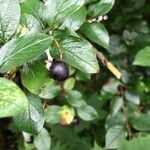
[{"x": 59, "y": 70}]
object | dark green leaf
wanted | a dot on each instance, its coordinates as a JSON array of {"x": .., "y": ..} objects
[
  {"x": 78, "y": 53},
  {"x": 140, "y": 121},
  {"x": 100, "y": 8},
  {"x": 34, "y": 76},
  {"x": 58, "y": 11},
  {"x": 12, "y": 99},
  {"x": 96, "y": 147},
  {"x": 74, "y": 21},
  {"x": 22, "y": 50},
  {"x": 32, "y": 120},
  {"x": 9, "y": 18},
  {"x": 97, "y": 33}
]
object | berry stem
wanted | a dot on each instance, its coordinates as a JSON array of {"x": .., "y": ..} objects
[{"x": 59, "y": 48}]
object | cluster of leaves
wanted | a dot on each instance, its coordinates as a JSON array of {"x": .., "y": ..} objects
[{"x": 89, "y": 110}]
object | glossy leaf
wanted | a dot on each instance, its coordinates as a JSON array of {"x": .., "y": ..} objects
[
  {"x": 12, "y": 99},
  {"x": 74, "y": 21},
  {"x": 142, "y": 58},
  {"x": 31, "y": 24},
  {"x": 97, "y": 33},
  {"x": 78, "y": 53},
  {"x": 100, "y": 8},
  {"x": 43, "y": 140},
  {"x": 9, "y": 18},
  {"x": 58, "y": 10},
  {"x": 32, "y": 120},
  {"x": 22, "y": 50},
  {"x": 34, "y": 76}
]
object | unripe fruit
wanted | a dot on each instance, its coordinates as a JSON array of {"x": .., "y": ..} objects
[{"x": 59, "y": 70}]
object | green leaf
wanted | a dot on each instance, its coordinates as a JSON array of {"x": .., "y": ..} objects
[
  {"x": 12, "y": 99},
  {"x": 113, "y": 137},
  {"x": 9, "y": 18},
  {"x": 34, "y": 76},
  {"x": 140, "y": 121},
  {"x": 43, "y": 140},
  {"x": 74, "y": 21},
  {"x": 30, "y": 7},
  {"x": 113, "y": 120},
  {"x": 58, "y": 10},
  {"x": 97, "y": 33},
  {"x": 22, "y": 50},
  {"x": 111, "y": 86},
  {"x": 142, "y": 58},
  {"x": 100, "y": 8},
  {"x": 87, "y": 113},
  {"x": 32, "y": 120},
  {"x": 50, "y": 91},
  {"x": 136, "y": 144},
  {"x": 117, "y": 104},
  {"x": 69, "y": 84},
  {"x": 31, "y": 24},
  {"x": 78, "y": 53},
  {"x": 74, "y": 98},
  {"x": 132, "y": 97},
  {"x": 53, "y": 114}
]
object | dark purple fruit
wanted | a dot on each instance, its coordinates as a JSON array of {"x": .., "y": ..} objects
[{"x": 59, "y": 70}]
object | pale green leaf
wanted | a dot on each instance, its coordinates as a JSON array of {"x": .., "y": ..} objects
[
  {"x": 9, "y": 18},
  {"x": 43, "y": 140},
  {"x": 12, "y": 99},
  {"x": 142, "y": 58}
]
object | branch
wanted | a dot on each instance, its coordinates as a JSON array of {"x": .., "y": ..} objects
[
  {"x": 108, "y": 64},
  {"x": 130, "y": 134}
]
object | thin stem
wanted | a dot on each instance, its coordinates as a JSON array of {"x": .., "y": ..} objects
[
  {"x": 130, "y": 134},
  {"x": 59, "y": 48}
]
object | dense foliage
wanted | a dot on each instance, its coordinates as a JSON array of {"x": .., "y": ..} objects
[{"x": 105, "y": 101}]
